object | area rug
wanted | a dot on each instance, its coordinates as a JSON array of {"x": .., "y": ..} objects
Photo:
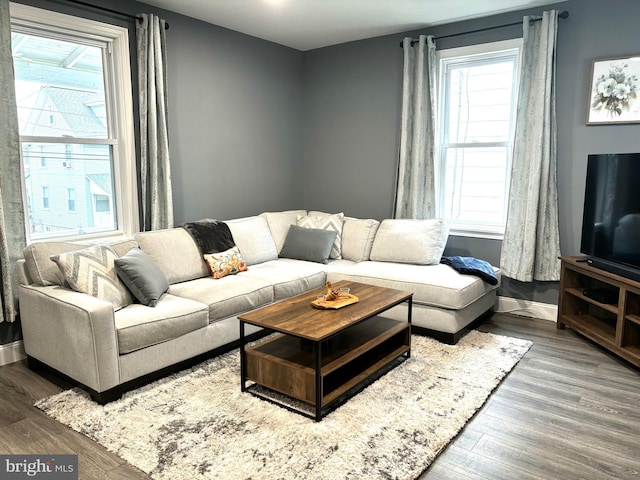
[{"x": 198, "y": 425}]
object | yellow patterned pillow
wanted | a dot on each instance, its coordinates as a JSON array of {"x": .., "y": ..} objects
[{"x": 225, "y": 263}]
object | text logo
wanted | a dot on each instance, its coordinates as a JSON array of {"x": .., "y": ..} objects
[{"x": 50, "y": 467}]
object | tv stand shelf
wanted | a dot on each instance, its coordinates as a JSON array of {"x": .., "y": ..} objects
[{"x": 614, "y": 325}]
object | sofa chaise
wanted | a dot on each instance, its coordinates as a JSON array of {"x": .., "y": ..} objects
[{"x": 117, "y": 333}]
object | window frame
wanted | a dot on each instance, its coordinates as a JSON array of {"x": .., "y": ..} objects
[
  {"x": 118, "y": 84},
  {"x": 481, "y": 52}
]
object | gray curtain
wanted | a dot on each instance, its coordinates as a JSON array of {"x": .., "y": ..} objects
[
  {"x": 531, "y": 244},
  {"x": 12, "y": 232},
  {"x": 155, "y": 171},
  {"x": 415, "y": 192}
]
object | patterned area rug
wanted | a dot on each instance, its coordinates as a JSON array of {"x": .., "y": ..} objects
[{"x": 197, "y": 424}]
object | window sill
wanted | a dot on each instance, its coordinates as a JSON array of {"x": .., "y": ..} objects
[{"x": 472, "y": 234}]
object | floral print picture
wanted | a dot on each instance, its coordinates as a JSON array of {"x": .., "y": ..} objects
[{"x": 615, "y": 91}]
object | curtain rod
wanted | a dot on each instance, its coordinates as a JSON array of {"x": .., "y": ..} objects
[
  {"x": 564, "y": 14},
  {"x": 108, "y": 10}
]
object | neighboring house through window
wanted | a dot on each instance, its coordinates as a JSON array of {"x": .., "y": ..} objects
[
  {"x": 73, "y": 89},
  {"x": 478, "y": 95}
]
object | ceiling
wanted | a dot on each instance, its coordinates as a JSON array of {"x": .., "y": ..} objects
[{"x": 309, "y": 24}]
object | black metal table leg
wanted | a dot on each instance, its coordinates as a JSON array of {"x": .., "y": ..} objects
[
  {"x": 243, "y": 367},
  {"x": 409, "y": 318}
]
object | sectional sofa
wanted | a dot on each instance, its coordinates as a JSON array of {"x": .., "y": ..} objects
[{"x": 110, "y": 317}]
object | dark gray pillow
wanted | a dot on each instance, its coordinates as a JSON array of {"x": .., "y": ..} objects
[
  {"x": 312, "y": 244},
  {"x": 142, "y": 276}
]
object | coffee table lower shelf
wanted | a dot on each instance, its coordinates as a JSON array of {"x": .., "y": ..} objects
[{"x": 323, "y": 373}]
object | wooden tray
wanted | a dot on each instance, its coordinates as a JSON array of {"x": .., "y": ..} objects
[{"x": 342, "y": 301}]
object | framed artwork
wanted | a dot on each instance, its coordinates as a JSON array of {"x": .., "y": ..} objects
[{"x": 614, "y": 96}]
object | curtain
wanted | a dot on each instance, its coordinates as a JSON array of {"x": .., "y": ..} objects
[
  {"x": 12, "y": 231},
  {"x": 531, "y": 244},
  {"x": 415, "y": 191},
  {"x": 155, "y": 172}
]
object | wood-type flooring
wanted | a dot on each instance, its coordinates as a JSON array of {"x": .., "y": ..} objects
[{"x": 568, "y": 410}]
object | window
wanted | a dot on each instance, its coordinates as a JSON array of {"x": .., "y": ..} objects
[
  {"x": 71, "y": 199},
  {"x": 102, "y": 203},
  {"x": 45, "y": 198},
  {"x": 478, "y": 95},
  {"x": 73, "y": 89}
]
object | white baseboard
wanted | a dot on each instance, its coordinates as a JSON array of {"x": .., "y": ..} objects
[
  {"x": 527, "y": 308},
  {"x": 12, "y": 352}
]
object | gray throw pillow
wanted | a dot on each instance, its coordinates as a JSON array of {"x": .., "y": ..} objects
[
  {"x": 142, "y": 276},
  {"x": 311, "y": 244}
]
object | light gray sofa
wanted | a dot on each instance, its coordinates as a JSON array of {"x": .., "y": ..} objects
[{"x": 108, "y": 350}]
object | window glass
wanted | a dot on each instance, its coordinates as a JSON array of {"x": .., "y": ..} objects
[{"x": 478, "y": 96}]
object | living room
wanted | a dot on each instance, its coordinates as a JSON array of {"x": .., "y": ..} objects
[{"x": 319, "y": 129}]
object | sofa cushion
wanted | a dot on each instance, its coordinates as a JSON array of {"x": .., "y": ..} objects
[
  {"x": 121, "y": 247},
  {"x": 228, "y": 296},
  {"x": 357, "y": 238},
  {"x": 225, "y": 263},
  {"x": 175, "y": 252},
  {"x": 139, "y": 326},
  {"x": 279, "y": 223},
  {"x": 92, "y": 271},
  {"x": 43, "y": 271},
  {"x": 289, "y": 277},
  {"x": 254, "y": 239},
  {"x": 327, "y": 222},
  {"x": 311, "y": 244},
  {"x": 410, "y": 241},
  {"x": 435, "y": 285},
  {"x": 142, "y": 276}
]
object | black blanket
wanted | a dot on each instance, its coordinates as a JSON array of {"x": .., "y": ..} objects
[{"x": 211, "y": 236}]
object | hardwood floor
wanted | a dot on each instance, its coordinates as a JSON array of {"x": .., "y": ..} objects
[{"x": 567, "y": 411}]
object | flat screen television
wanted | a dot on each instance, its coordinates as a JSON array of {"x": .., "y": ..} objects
[{"x": 611, "y": 218}]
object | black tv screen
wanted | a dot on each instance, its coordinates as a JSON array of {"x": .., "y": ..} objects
[{"x": 611, "y": 219}]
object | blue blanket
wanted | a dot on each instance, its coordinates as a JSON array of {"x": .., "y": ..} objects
[{"x": 472, "y": 266}]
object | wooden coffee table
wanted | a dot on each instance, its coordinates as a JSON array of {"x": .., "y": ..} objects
[{"x": 322, "y": 356}]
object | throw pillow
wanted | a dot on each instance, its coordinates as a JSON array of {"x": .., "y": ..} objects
[
  {"x": 211, "y": 236},
  {"x": 142, "y": 276},
  {"x": 327, "y": 222},
  {"x": 420, "y": 242},
  {"x": 225, "y": 263},
  {"x": 311, "y": 244},
  {"x": 92, "y": 270}
]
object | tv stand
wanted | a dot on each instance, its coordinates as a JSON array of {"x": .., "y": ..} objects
[{"x": 615, "y": 326}]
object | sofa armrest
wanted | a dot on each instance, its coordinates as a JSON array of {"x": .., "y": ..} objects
[{"x": 72, "y": 332}]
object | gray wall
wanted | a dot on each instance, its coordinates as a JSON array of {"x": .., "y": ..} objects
[{"x": 235, "y": 122}]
